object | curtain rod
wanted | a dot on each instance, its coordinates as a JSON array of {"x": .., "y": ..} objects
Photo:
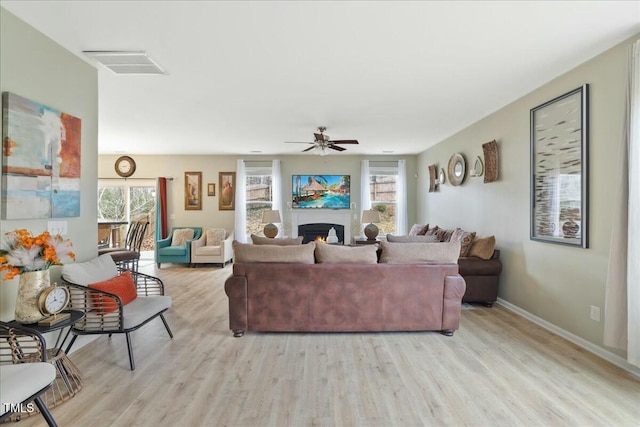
[{"x": 156, "y": 177}]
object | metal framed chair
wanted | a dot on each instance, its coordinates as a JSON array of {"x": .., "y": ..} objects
[
  {"x": 105, "y": 312},
  {"x": 25, "y": 374},
  {"x": 127, "y": 258}
]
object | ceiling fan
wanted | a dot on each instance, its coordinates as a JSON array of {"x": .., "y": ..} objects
[{"x": 323, "y": 142}]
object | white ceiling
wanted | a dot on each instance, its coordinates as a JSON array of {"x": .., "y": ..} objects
[{"x": 246, "y": 76}]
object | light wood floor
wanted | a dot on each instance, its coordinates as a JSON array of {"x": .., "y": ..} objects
[{"x": 497, "y": 370}]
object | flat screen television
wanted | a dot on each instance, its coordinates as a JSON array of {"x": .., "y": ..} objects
[{"x": 321, "y": 191}]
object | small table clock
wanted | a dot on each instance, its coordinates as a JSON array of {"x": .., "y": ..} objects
[{"x": 51, "y": 302}]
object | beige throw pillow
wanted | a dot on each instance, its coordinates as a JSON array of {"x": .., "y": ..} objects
[
  {"x": 259, "y": 240},
  {"x": 298, "y": 254},
  {"x": 465, "y": 238},
  {"x": 416, "y": 253},
  {"x": 482, "y": 247},
  {"x": 214, "y": 236},
  {"x": 418, "y": 229},
  {"x": 181, "y": 235},
  {"x": 338, "y": 254},
  {"x": 411, "y": 239}
]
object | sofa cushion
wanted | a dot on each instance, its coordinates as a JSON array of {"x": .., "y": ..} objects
[
  {"x": 214, "y": 236},
  {"x": 412, "y": 239},
  {"x": 181, "y": 236},
  {"x": 122, "y": 285},
  {"x": 259, "y": 240},
  {"x": 482, "y": 247},
  {"x": 298, "y": 254},
  {"x": 173, "y": 250},
  {"x": 338, "y": 254},
  {"x": 415, "y": 253},
  {"x": 465, "y": 238},
  {"x": 209, "y": 250}
]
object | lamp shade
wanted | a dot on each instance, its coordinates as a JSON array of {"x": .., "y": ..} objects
[
  {"x": 271, "y": 217},
  {"x": 370, "y": 216}
]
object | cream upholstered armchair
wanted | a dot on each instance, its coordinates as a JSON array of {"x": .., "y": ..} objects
[{"x": 214, "y": 246}]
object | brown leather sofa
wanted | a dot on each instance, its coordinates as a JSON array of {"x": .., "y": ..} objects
[
  {"x": 482, "y": 277},
  {"x": 344, "y": 297}
]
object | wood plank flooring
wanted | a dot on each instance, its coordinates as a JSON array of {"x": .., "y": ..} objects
[{"x": 497, "y": 370}]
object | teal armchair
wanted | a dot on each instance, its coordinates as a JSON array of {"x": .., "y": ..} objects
[{"x": 180, "y": 253}]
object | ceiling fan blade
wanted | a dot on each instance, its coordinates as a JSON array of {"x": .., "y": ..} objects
[
  {"x": 335, "y": 147},
  {"x": 319, "y": 136},
  {"x": 298, "y": 142},
  {"x": 344, "y": 141},
  {"x": 309, "y": 149}
]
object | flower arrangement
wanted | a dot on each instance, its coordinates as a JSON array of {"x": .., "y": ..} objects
[{"x": 20, "y": 252}]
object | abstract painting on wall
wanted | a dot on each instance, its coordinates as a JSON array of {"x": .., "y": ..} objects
[
  {"x": 40, "y": 160},
  {"x": 559, "y": 169}
]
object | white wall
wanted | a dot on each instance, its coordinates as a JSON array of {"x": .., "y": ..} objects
[
  {"x": 554, "y": 282},
  {"x": 34, "y": 67},
  {"x": 210, "y": 165}
]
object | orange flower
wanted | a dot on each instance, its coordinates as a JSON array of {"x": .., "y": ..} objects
[{"x": 20, "y": 252}]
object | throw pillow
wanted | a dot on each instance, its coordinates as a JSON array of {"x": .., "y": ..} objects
[
  {"x": 181, "y": 236},
  {"x": 424, "y": 230},
  {"x": 411, "y": 239},
  {"x": 214, "y": 236},
  {"x": 97, "y": 269},
  {"x": 432, "y": 231},
  {"x": 465, "y": 238},
  {"x": 259, "y": 240},
  {"x": 444, "y": 234},
  {"x": 338, "y": 254},
  {"x": 298, "y": 254},
  {"x": 122, "y": 285},
  {"x": 418, "y": 229},
  {"x": 482, "y": 247},
  {"x": 417, "y": 253}
]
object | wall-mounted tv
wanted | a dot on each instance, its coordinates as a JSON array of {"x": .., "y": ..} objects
[{"x": 321, "y": 191}]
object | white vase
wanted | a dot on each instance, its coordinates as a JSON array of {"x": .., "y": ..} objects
[{"x": 31, "y": 284}]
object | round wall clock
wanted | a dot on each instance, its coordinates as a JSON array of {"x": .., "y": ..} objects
[{"x": 125, "y": 166}]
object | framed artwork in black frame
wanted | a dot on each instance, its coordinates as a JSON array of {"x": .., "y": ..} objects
[{"x": 559, "y": 169}]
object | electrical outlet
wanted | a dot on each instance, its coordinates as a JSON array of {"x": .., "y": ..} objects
[
  {"x": 57, "y": 227},
  {"x": 595, "y": 313}
]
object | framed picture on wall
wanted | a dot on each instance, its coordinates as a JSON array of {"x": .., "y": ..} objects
[
  {"x": 193, "y": 191},
  {"x": 559, "y": 169},
  {"x": 227, "y": 183},
  {"x": 211, "y": 189}
]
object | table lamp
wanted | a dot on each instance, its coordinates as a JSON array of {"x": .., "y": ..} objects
[
  {"x": 270, "y": 217},
  {"x": 371, "y": 230}
]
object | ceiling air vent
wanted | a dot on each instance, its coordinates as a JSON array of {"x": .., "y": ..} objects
[{"x": 124, "y": 62}]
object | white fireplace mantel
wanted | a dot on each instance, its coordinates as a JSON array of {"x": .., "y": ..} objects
[{"x": 313, "y": 216}]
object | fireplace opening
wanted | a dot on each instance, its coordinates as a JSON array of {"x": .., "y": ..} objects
[{"x": 310, "y": 232}]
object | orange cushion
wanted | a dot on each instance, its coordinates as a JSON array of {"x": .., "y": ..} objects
[{"x": 121, "y": 285}]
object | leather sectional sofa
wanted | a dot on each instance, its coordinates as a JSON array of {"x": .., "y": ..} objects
[{"x": 266, "y": 294}]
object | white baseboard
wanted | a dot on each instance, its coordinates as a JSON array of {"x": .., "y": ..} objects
[{"x": 581, "y": 342}]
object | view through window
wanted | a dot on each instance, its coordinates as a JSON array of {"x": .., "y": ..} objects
[
  {"x": 259, "y": 196},
  {"x": 125, "y": 202},
  {"x": 382, "y": 186}
]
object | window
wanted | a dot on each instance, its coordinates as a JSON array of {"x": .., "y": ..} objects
[
  {"x": 383, "y": 177},
  {"x": 259, "y": 189},
  {"x": 127, "y": 201}
]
